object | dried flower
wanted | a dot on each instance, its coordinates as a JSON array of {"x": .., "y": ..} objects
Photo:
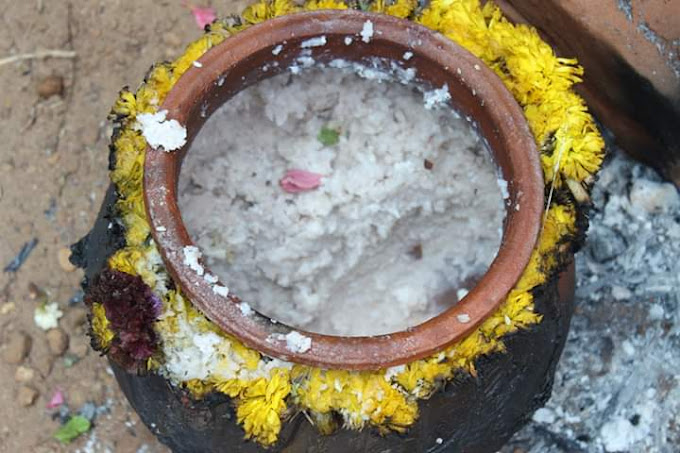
[
  {"x": 46, "y": 316},
  {"x": 131, "y": 308},
  {"x": 295, "y": 181}
]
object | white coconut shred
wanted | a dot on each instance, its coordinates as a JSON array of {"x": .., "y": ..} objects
[{"x": 406, "y": 213}]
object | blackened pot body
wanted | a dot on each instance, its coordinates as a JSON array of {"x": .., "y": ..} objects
[{"x": 470, "y": 414}]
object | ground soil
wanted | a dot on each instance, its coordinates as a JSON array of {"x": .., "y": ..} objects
[{"x": 53, "y": 176}]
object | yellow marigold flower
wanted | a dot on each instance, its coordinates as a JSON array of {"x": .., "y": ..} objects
[
  {"x": 160, "y": 79},
  {"x": 125, "y": 106},
  {"x": 198, "y": 388},
  {"x": 124, "y": 260},
  {"x": 261, "y": 406},
  {"x": 100, "y": 326},
  {"x": 397, "y": 8},
  {"x": 312, "y": 5},
  {"x": 230, "y": 387},
  {"x": 266, "y": 9},
  {"x": 283, "y": 7}
]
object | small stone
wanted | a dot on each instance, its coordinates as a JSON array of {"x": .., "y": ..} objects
[
  {"x": 52, "y": 85},
  {"x": 27, "y": 396},
  {"x": 36, "y": 293},
  {"x": 57, "y": 340},
  {"x": 79, "y": 346},
  {"x": 656, "y": 312},
  {"x": 43, "y": 364},
  {"x": 606, "y": 244},
  {"x": 70, "y": 360},
  {"x": 6, "y": 308},
  {"x": 172, "y": 39},
  {"x": 77, "y": 397},
  {"x": 621, "y": 293},
  {"x": 75, "y": 318},
  {"x": 24, "y": 374},
  {"x": 654, "y": 197},
  {"x": 88, "y": 410},
  {"x": 628, "y": 348},
  {"x": 544, "y": 416},
  {"x": 63, "y": 256},
  {"x": 617, "y": 435},
  {"x": 17, "y": 347}
]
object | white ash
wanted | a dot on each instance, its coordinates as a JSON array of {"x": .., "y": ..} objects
[
  {"x": 394, "y": 371},
  {"x": 277, "y": 50},
  {"x": 544, "y": 416},
  {"x": 220, "y": 290},
  {"x": 367, "y": 31},
  {"x": 210, "y": 278},
  {"x": 161, "y": 133},
  {"x": 296, "y": 342},
  {"x": 245, "y": 308},
  {"x": 617, "y": 387},
  {"x": 339, "y": 259},
  {"x": 348, "y": 40},
  {"x": 191, "y": 353},
  {"x": 407, "y": 55},
  {"x": 314, "y": 42},
  {"x": 192, "y": 254},
  {"x": 463, "y": 318},
  {"x": 197, "y": 64}
]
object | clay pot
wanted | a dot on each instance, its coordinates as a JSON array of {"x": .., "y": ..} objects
[
  {"x": 471, "y": 413},
  {"x": 476, "y": 93}
]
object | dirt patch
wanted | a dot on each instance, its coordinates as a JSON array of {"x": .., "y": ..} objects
[{"x": 53, "y": 176}]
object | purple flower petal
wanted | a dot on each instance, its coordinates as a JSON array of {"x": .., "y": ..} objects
[
  {"x": 296, "y": 181},
  {"x": 203, "y": 16},
  {"x": 56, "y": 400}
]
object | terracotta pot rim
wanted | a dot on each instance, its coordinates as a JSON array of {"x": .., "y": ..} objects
[{"x": 225, "y": 69}]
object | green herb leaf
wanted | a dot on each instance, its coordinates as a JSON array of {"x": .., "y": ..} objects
[
  {"x": 76, "y": 426},
  {"x": 328, "y": 136}
]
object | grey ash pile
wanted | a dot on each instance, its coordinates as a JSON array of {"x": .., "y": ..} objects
[{"x": 617, "y": 387}]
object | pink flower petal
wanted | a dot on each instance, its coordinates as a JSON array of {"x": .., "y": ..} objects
[
  {"x": 295, "y": 181},
  {"x": 57, "y": 400},
  {"x": 203, "y": 16}
]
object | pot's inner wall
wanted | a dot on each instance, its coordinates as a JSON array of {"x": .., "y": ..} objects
[{"x": 407, "y": 215}]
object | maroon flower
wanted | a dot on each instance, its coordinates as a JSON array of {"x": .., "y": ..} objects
[{"x": 131, "y": 308}]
